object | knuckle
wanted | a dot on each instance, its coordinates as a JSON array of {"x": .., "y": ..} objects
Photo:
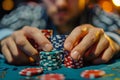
[
  {"x": 16, "y": 33},
  {"x": 106, "y": 42},
  {"x": 33, "y": 30},
  {"x": 43, "y": 42},
  {"x": 92, "y": 39},
  {"x": 25, "y": 27},
  {"x": 20, "y": 42},
  {"x": 100, "y": 30}
]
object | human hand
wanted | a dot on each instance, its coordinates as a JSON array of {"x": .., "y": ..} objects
[
  {"x": 18, "y": 50},
  {"x": 91, "y": 43}
]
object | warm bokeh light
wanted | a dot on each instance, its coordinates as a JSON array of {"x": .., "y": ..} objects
[
  {"x": 8, "y": 5},
  {"x": 81, "y": 4},
  {"x": 107, "y": 6},
  {"x": 116, "y": 2}
]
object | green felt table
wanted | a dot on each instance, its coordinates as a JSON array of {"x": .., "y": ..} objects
[{"x": 10, "y": 72}]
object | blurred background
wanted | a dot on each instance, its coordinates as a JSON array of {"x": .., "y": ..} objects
[{"x": 6, "y": 6}]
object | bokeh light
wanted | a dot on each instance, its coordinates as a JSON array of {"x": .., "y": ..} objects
[
  {"x": 107, "y": 6},
  {"x": 116, "y": 2},
  {"x": 8, "y": 5}
]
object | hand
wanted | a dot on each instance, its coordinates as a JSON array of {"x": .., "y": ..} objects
[
  {"x": 91, "y": 43},
  {"x": 18, "y": 50}
]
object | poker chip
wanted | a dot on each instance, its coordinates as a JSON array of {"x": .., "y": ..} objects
[
  {"x": 50, "y": 60},
  {"x": 91, "y": 74},
  {"x": 52, "y": 77},
  {"x": 47, "y": 33},
  {"x": 31, "y": 71},
  {"x": 50, "y": 68},
  {"x": 58, "y": 41},
  {"x": 53, "y": 52}
]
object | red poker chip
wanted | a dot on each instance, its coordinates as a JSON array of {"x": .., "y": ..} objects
[
  {"x": 31, "y": 71},
  {"x": 70, "y": 63},
  {"x": 91, "y": 74},
  {"x": 52, "y": 77}
]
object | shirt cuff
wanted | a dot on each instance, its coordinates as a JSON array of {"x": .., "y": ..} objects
[
  {"x": 114, "y": 36},
  {"x": 5, "y": 32}
]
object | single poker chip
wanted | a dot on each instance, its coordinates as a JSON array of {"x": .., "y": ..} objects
[
  {"x": 31, "y": 71},
  {"x": 53, "y": 52},
  {"x": 91, "y": 74},
  {"x": 49, "y": 57},
  {"x": 46, "y": 68},
  {"x": 50, "y": 63},
  {"x": 52, "y": 77}
]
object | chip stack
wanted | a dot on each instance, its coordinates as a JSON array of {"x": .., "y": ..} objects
[
  {"x": 50, "y": 60},
  {"x": 46, "y": 33},
  {"x": 58, "y": 41},
  {"x": 70, "y": 63}
]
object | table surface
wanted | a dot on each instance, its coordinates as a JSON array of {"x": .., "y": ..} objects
[{"x": 10, "y": 72}]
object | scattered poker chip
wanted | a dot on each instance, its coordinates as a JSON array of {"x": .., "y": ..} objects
[
  {"x": 52, "y": 77},
  {"x": 91, "y": 74},
  {"x": 31, "y": 71}
]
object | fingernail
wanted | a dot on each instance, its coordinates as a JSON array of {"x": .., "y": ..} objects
[
  {"x": 75, "y": 55},
  {"x": 68, "y": 45},
  {"x": 47, "y": 47}
]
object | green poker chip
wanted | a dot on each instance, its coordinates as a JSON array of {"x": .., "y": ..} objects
[
  {"x": 50, "y": 63},
  {"x": 51, "y": 68},
  {"x": 51, "y": 60},
  {"x": 50, "y": 57}
]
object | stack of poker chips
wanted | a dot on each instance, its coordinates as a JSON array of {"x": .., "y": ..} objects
[
  {"x": 50, "y": 60},
  {"x": 58, "y": 41},
  {"x": 70, "y": 63},
  {"x": 46, "y": 33}
]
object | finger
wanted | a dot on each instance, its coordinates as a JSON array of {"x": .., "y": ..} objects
[
  {"x": 85, "y": 44},
  {"x": 100, "y": 48},
  {"x": 16, "y": 54},
  {"x": 89, "y": 54},
  {"x": 39, "y": 38},
  {"x": 105, "y": 57},
  {"x": 7, "y": 54},
  {"x": 74, "y": 38},
  {"x": 12, "y": 47},
  {"x": 23, "y": 44},
  {"x": 24, "y": 59}
]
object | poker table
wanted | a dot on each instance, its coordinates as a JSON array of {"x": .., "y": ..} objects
[{"x": 11, "y": 72}]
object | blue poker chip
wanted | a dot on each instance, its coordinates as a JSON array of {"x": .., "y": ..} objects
[{"x": 58, "y": 41}]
